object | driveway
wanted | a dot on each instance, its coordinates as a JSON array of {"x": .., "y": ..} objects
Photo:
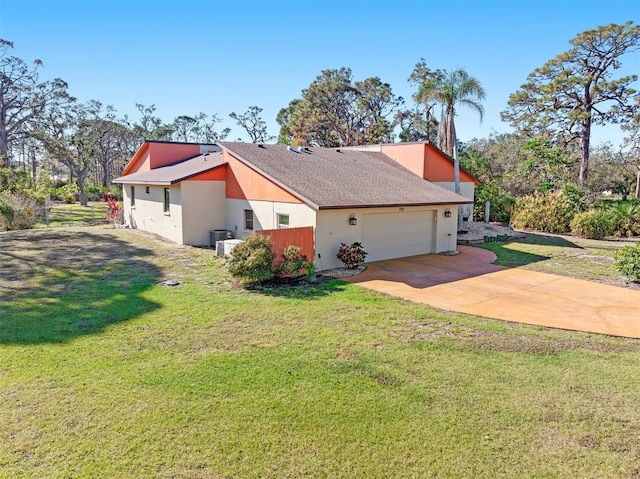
[{"x": 470, "y": 283}]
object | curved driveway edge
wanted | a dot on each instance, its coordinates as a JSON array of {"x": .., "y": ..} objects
[{"x": 469, "y": 283}]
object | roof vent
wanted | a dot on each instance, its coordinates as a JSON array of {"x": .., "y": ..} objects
[
  {"x": 337, "y": 150},
  {"x": 261, "y": 146}
]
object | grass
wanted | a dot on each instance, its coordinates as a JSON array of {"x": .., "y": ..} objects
[
  {"x": 105, "y": 372},
  {"x": 75, "y": 214},
  {"x": 563, "y": 255}
]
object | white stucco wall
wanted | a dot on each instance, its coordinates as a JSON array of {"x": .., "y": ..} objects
[
  {"x": 333, "y": 228},
  {"x": 203, "y": 210},
  {"x": 265, "y": 215},
  {"x": 466, "y": 189},
  {"x": 148, "y": 215}
]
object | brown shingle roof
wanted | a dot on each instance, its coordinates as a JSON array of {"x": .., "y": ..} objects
[
  {"x": 332, "y": 178},
  {"x": 168, "y": 175}
]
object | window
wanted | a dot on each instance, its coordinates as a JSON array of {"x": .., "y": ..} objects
[
  {"x": 146, "y": 189},
  {"x": 133, "y": 196},
  {"x": 248, "y": 219},
  {"x": 283, "y": 221},
  {"x": 166, "y": 200}
]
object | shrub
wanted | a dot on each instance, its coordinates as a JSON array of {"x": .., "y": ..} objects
[
  {"x": 95, "y": 193},
  {"x": 18, "y": 211},
  {"x": 252, "y": 260},
  {"x": 60, "y": 193},
  {"x": 550, "y": 212},
  {"x": 14, "y": 180},
  {"x": 625, "y": 218},
  {"x": 113, "y": 210},
  {"x": 627, "y": 262},
  {"x": 291, "y": 263},
  {"x": 351, "y": 255},
  {"x": 69, "y": 198},
  {"x": 310, "y": 271},
  {"x": 592, "y": 224},
  {"x": 501, "y": 202}
]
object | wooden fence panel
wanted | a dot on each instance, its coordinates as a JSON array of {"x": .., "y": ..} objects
[{"x": 300, "y": 237}]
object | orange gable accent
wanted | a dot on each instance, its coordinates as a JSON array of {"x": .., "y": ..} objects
[
  {"x": 439, "y": 167},
  {"x": 154, "y": 155},
  {"x": 426, "y": 161},
  {"x": 218, "y": 174},
  {"x": 245, "y": 183},
  {"x": 409, "y": 155}
]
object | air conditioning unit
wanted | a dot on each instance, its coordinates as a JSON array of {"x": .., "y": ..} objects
[{"x": 218, "y": 235}]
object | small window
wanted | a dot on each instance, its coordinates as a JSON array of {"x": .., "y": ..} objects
[
  {"x": 146, "y": 189},
  {"x": 133, "y": 196},
  {"x": 283, "y": 221},
  {"x": 166, "y": 200},
  {"x": 248, "y": 219}
]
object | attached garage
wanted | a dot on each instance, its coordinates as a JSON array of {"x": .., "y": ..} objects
[{"x": 398, "y": 234}]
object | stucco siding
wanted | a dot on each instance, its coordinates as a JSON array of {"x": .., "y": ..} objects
[
  {"x": 148, "y": 212},
  {"x": 467, "y": 189},
  {"x": 265, "y": 215},
  {"x": 203, "y": 210}
]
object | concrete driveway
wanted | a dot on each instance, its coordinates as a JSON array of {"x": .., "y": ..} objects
[{"x": 470, "y": 283}]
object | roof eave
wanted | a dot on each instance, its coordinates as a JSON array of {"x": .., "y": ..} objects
[{"x": 392, "y": 205}]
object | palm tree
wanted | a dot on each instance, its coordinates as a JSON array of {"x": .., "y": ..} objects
[{"x": 456, "y": 88}]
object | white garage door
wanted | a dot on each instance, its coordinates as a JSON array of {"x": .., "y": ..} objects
[{"x": 398, "y": 234}]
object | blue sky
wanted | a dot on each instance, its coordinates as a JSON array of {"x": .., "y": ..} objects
[{"x": 220, "y": 56}]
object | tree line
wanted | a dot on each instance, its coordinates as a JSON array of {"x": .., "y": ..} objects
[{"x": 46, "y": 131}]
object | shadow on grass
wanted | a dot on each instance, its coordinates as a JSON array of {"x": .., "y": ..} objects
[
  {"x": 513, "y": 258},
  {"x": 56, "y": 285},
  {"x": 544, "y": 240},
  {"x": 304, "y": 290}
]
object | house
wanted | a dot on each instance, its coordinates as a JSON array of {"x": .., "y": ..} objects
[{"x": 394, "y": 199}]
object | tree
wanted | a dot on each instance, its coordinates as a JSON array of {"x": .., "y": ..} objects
[
  {"x": 68, "y": 134},
  {"x": 253, "y": 124},
  {"x": 148, "y": 127},
  {"x": 336, "y": 111},
  {"x": 452, "y": 89},
  {"x": 632, "y": 143},
  {"x": 413, "y": 126},
  {"x": 111, "y": 141},
  {"x": 197, "y": 129},
  {"x": 569, "y": 94},
  {"x": 427, "y": 82},
  {"x": 23, "y": 97}
]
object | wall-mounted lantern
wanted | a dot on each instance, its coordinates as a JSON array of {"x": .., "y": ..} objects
[
  {"x": 447, "y": 213},
  {"x": 353, "y": 220}
]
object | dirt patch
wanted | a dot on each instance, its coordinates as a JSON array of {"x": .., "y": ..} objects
[
  {"x": 511, "y": 342},
  {"x": 491, "y": 341},
  {"x": 590, "y": 442},
  {"x": 345, "y": 355}
]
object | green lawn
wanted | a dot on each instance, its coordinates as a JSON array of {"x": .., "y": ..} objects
[
  {"x": 75, "y": 214},
  {"x": 105, "y": 372},
  {"x": 564, "y": 255}
]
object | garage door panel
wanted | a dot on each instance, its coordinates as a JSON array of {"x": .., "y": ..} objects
[{"x": 397, "y": 234}]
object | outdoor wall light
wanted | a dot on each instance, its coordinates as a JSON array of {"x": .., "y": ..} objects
[
  {"x": 447, "y": 213},
  {"x": 353, "y": 220}
]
